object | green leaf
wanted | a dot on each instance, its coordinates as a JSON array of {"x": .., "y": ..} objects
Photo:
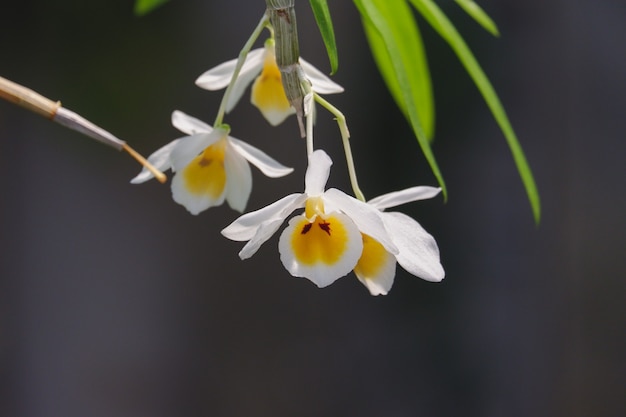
[
  {"x": 479, "y": 15},
  {"x": 416, "y": 65},
  {"x": 325, "y": 24},
  {"x": 388, "y": 18},
  {"x": 435, "y": 17},
  {"x": 142, "y": 7}
]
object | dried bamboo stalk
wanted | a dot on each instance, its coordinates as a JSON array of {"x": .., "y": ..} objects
[{"x": 35, "y": 102}]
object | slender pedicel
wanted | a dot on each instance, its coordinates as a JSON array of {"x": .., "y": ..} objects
[
  {"x": 263, "y": 23},
  {"x": 345, "y": 137},
  {"x": 35, "y": 102}
]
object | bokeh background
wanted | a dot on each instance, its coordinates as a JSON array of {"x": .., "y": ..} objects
[{"x": 114, "y": 301}]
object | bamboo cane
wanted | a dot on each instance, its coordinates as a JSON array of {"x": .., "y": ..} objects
[{"x": 35, "y": 102}]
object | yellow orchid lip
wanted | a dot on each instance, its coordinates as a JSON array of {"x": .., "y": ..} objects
[
  {"x": 268, "y": 94},
  {"x": 324, "y": 240},
  {"x": 372, "y": 259},
  {"x": 206, "y": 173},
  {"x": 322, "y": 249}
]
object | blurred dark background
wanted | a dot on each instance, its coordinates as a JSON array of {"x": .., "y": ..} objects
[{"x": 114, "y": 301}]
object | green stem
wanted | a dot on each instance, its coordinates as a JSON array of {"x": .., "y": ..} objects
[
  {"x": 263, "y": 23},
  {"x": 345, "y": 137}
]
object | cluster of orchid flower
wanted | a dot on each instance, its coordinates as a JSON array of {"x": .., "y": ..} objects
[{"x": 336, "y": 233}]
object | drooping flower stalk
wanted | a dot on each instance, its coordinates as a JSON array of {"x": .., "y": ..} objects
[{"x": 345, "y": 137}]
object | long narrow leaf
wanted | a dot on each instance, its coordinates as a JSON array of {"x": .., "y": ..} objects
[
  {"x": 325, "y": 24},
  {"x": 144, "y": 6},
  {"x": 438, "y": 20},
  {"x": 415, "y": 62},
  {"x": 479, "y": 15},
  {"x": 383, "y": 15}
]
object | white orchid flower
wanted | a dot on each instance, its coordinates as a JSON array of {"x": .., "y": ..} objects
[
  {"x": 268, "y": 94},
  {"x": 325, "y": 242},
  {"x": 210, "y": 166},
  {"x": 417, "y": 250}
]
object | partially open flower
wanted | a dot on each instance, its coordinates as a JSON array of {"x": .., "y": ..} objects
[
  {"x": 268, "y": 94},
  {"x": 210, "y": 166},
  {"x": 417, "y": 250}
]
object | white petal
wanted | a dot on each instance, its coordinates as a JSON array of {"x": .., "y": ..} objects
[
  {"x": 189, "y": 125},
  {"x": 194, "y": 203},
  {"x": 190, "y": 146},
  {"x": 366, "y": 217},
  {"x": 238, "y": 179},
  {"x": 275, "y": 116},
  {"x": 381, "y": 283},
  {"x": 321, "y": 273},
  {"x": 263, "y": 233},
  {"x": 160, "y": 159},
  {"x": 407, "y": 195},
  {"x": 320, "y": 83},
  {"x": 317, "y": 173},
  {"x": 246, "y": 226},
  {"x": 418, "y": 251},
  {"x": 250, "y": 70},
  {"x": 219, "y": 77},
  {"x": 259, "y": 159}
]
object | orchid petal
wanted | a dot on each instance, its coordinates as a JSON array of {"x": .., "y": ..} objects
[
  {"x": 249, "y": 71},
  {"x": 263, "y": 233},
  {"x": 381, "y": 283},
  {"x": 418, "y": 251},
  {"x": 246, "y": 226},
  {"x": 366, "y": 217},
  {"x": 190, "y": 146},
  {"x": 238, "y": 179},
  {"x": 320, "y": 83},
  {"x": 317, "y": 173},
  {"x": 193, "y": 202},
  {"x": 376, "y": 268},
  {"x": 160, "y": 159},
  {"x": 274, "y": 115},
  {"x": 260, "y": 159},
  {"x": 189, "y": 125},
  {"x": 407, "y": 195},
  {"x": 319, "y": 251},
  {"x": 219, "y": 77}
]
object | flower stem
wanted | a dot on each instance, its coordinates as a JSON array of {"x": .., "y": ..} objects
[
  {"x": 263, "y": 23},
  {"x": 309, "y": 133},
  {"x": 345, "y": 137}
]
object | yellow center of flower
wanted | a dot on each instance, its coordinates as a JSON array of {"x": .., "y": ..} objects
[
  {"x": 313, "y": 206},
  {"x": 267, "y": 91},
  {"x": 321, "y": 241},
  {"x": 372, "y": 259},
  {"x": 317, "y": 238},
  {"x": 205, "y": 174}
]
